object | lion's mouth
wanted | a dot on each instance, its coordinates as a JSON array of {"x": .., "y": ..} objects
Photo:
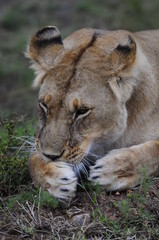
[{"x": 79, "y": 160}]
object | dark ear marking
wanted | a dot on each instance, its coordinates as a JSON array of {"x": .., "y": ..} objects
[
  {"x": 126, "y": 49},
  {"x": 47, "y": 42},
  {"x": 44, "y": 47},
  {"x": 124, "y": 54},
  {"x": 47, "y": 36}
]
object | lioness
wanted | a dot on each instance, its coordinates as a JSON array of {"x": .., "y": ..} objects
[{"x": 98, "y": 102}]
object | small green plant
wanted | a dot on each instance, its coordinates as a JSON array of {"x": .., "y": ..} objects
[
  {"x": 145, "y": 181},
  {"x": 38, "y": 197},
  {"x": 46, "y": 200},
  {"x": 15, "y": 145},
  {"x": 125, "y": 209},
  {"x": 24, "y": 195}
]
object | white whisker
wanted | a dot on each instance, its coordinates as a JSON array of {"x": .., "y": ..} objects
[
  {"x": 94, "y": 155},
  {"x": 84, "y": 170},
  {"x": 27, "y": 144},
  {"x": 87, "y": 163},
  {"x": 90, "y": 160},
  {"x": 23, "y": 137},
  {"x": 79, "y": 170}
]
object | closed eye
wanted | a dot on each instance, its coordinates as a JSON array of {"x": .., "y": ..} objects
[
  {"x": 43, "y": 106},
  {"x": 82, "y": 112}
]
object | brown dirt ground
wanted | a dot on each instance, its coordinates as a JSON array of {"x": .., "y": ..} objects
[{"x": 84, "y": 218}]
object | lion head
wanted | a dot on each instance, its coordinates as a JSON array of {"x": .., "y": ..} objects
[{"x": 85, "y": 82}]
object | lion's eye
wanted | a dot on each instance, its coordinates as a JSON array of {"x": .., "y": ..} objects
[
  {"x": 43, "y": 106},
  {"x": 81, "y": 112}
]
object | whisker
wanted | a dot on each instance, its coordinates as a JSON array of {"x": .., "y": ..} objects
[
  {"x": 79, "y": 172},
  {"x": 85, "y": 172},
  {"x": 23, "y": 138},
  {"x": 76, "y": 169},
  {"x": 28, "y": 137},
  {"x": 88, "y": 158},
  {"x": 27, "y": 145},
  {"x": 92, "y": 154},
  {"x": 87, "y": 163}
]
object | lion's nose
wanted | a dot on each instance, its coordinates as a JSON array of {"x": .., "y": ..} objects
[{"x": 52, "y": 157}]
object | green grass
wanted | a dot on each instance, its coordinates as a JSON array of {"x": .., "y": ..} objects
[
  {"x": 14, "y": 152},
  {"x": 133, "y": 217},
  {"x": 37, "y": 197}
]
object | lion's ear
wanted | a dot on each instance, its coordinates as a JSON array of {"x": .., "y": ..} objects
[
  {"x": 122, "y": 58},
  {"x": 45, "y": 46},
  {"x": 124, "y": 54}
]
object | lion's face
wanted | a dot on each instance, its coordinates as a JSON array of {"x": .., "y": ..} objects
[
  {"x": 74, "y": 116},
  {"x": 83, "y": 93}
]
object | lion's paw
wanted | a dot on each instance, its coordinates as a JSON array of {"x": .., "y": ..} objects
[
  {"x": 60, "y": 181},
  {"x": 116, "y": 171}
]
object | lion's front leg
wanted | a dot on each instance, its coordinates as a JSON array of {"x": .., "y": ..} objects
[
  {"x": 122, "y": 169},
  {"x": 58, "y": 178}
]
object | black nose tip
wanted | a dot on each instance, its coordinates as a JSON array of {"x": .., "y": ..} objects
[{"x": 52, "y": 157}]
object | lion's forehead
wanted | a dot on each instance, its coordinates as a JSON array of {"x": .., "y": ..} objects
[
  {"x": 73, "y": 89},
  {"x": 81, "y": 88}
]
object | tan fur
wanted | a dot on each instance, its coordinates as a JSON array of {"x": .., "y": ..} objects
[{"x": 99, "y": 91}]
